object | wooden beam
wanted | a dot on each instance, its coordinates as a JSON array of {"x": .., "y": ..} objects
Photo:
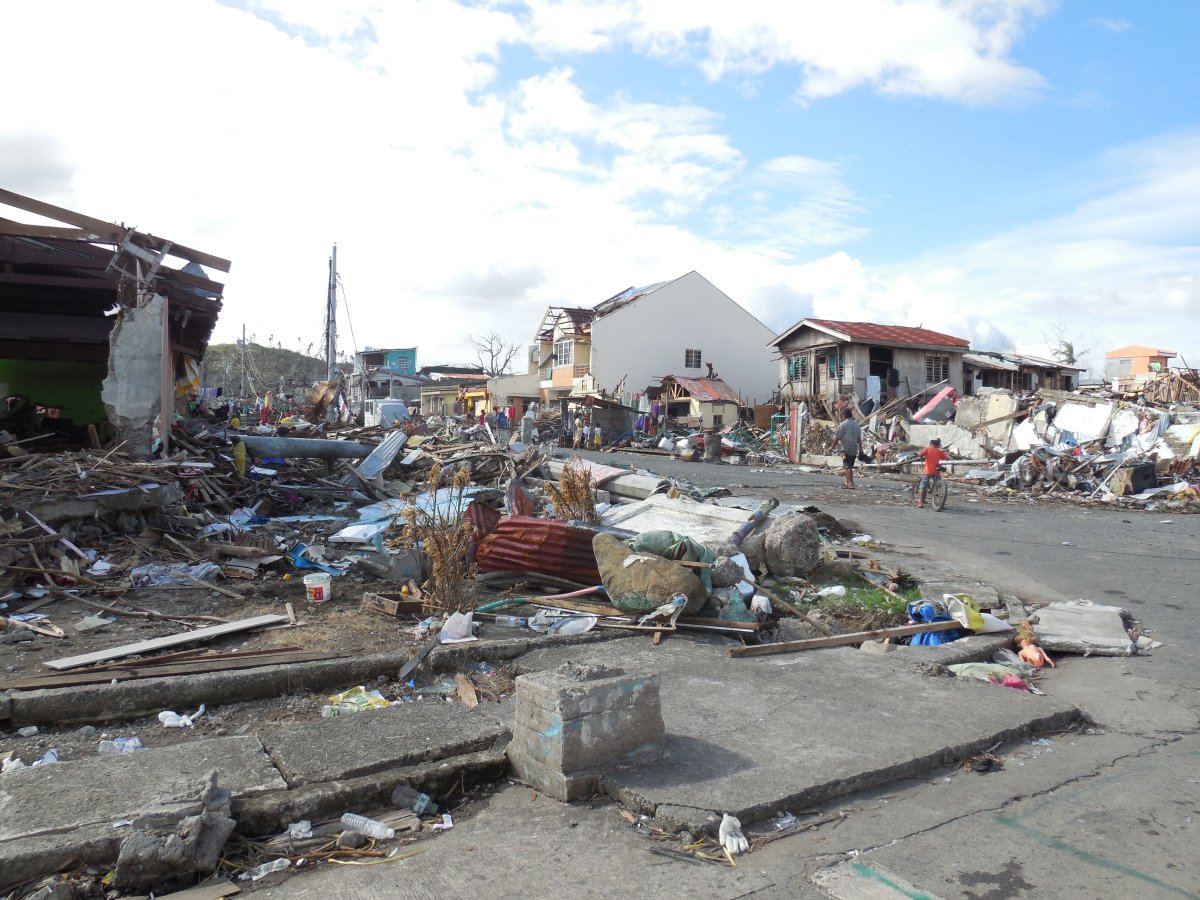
[
  {"x": 170, "y": 640},
  {"x": 58, "y": 214},
  {"x": 857, "y": 637},
  {"x": 60, "y": 233}
]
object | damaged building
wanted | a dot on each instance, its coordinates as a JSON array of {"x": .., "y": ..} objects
[{"x": 102, "y": 326}]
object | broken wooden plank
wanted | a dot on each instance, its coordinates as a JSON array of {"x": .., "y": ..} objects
[
  {"x": 392, "y": 604},
  {"x": 170, "y": 640},
  {"x": 841, "y": 640}
]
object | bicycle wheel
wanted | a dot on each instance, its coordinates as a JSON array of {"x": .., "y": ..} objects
[{"x": 938, "y": 494}]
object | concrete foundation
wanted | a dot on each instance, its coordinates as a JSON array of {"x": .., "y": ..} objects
[{"x": 575, "y": 723}]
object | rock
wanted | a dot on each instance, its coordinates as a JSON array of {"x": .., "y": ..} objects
[
  {"x": 726, "y": 573},
  {"x": 793, "y": 545},
  {"x": 164, "y": 847},
  {"x": 796, "y": 630},
  {"x": 640, "y": 582},
  {"x": 755, "y": 548},
  {"x": 352, "y": 840},
  {"x": 87, "y": 731}
]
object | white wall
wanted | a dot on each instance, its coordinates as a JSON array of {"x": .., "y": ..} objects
[{"x": 646, "y": 340}]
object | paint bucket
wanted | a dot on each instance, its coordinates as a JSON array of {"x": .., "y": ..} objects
[{"x": 319, "y": 587}]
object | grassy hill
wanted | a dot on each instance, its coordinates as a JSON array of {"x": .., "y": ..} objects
[{"x": 267, "y": 368}]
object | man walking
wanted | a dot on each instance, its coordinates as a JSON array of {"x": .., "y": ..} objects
[{"x": 849, "y": 438}]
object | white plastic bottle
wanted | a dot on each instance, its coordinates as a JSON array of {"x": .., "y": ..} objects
[
  {"x": 512, "y": 621},
  {"x": 369, "y": 827}
]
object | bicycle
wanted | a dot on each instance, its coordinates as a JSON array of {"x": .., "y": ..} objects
[{"x": 936, "y": 491}]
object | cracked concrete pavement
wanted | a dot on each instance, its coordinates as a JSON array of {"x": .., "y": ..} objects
[{"x": 1106, "y": 810}]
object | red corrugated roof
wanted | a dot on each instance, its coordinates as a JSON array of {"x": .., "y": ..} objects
[
  {"x": 705, "y": 388},
  {"x": 891, "y": 334}
]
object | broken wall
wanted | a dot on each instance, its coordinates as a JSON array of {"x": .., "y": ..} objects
[{"x": 132, "y": 392}]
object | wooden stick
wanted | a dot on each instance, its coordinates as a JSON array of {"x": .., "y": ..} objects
[
  {"x": 857, "y": 637},
  {"x": 795, "y": 610},
  {"x": 200, "y": 582}
]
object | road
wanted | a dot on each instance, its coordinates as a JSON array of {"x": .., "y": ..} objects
[{"x": 1110, "y": 811}]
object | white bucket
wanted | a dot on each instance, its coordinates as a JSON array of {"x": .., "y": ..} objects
[{"x": 319, "y": 587}]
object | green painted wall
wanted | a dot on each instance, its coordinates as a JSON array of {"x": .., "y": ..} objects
[{"x": 72, "y": 385}]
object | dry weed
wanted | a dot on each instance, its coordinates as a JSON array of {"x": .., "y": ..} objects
[
  {"x": 572, "y": 497},
  {"x": 445, "y": 535}
]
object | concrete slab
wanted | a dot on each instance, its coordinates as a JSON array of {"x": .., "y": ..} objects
[
  {"x": 52, "y": 814},
  {"x": 354, "y": 745},
  {"x": 751, "y": 736}
]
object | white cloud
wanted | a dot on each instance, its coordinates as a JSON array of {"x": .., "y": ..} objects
[
  {"x": 462, "y": 203},
  {"x": 1114, "y": 25},
  {"x": 954, "y": 51}
]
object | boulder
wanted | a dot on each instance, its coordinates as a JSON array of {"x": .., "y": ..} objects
[
  {"x": 640, "y": 582},
  {"x": 726, "y": 573},
  {"x": 793, "y": 546}
]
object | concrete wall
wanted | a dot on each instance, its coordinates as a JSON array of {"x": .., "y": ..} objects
[
  {"x": 132, "y": 392},
  {"x": 508, "y": 389},
  {"x": 646, "y": 340}
]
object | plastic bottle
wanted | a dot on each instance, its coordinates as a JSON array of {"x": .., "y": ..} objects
[
  {"x": 369, "y": 827},
  {"x": 404, "y": 797},
  {"x": 512, "y": 621},
  {"x": 275, "y": 865}
]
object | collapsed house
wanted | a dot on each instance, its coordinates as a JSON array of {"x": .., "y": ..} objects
[{"x": 101, "y": 330}]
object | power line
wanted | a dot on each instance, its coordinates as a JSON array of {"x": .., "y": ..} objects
[{"x": 349, "y": 321}]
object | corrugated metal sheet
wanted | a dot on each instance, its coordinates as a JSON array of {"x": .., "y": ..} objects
[
  {"x": 892, "y": 334},
  {"x": 548, "y": 546},
  {"x": 706, "y": 388}
]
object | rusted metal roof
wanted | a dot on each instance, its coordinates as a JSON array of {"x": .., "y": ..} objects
[
  {"x": 872, "y": 333},
  {"x": 548, "y": 546},
  {"x": 704, "y": 389}
]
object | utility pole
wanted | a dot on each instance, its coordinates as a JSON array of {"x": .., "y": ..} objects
[
  {"x": 242, "y": 383},
  {"x": 331, "y": 318}
]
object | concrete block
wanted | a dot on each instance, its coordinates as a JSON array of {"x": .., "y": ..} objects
[{"x": 572, "y": 725}]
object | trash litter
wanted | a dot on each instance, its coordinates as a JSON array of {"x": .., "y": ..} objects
[
  {"x": 730, "y": 835},
  {"x": 784, "y": 820},
  {"x": 370, "y": 827},
  {"x": 405, "y": 797},
  {"x": 355, "y": 700},
  {"x": 512, "y": 622},
  {"x": 1039, "y": 742},
  {"x": 1029, "y": 651},
  {"x": 155, "y": 575},
  {"x": 174, "y": 720},
  {"x": 318, "y": 587},
  {"x": 259, "y": 872},
  {"x": 299, "y": 830},
  {"x": 50, "y": 757},
  {"x": 836, "y": 590},
  {"x": 121, "y": 745},
  {"x": 458, "y": 629},
  {"x": 445, "y": 825}
]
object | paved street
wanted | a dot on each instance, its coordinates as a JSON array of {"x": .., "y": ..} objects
[{"x": 1109, "y": 811}]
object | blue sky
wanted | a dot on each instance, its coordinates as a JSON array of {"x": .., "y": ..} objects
[{"x": 992, "y": 168}]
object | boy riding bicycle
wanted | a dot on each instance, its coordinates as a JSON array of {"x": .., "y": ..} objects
[{"x": 933, "y": 456}]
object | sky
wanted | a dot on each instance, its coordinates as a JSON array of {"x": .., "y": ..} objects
[{"x": 1007, "y": 171}]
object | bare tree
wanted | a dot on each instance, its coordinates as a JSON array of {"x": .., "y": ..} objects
[{"x": 494, "y": 354}]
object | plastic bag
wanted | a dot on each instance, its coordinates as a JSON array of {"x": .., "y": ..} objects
[
  {"x": 964, "y": 610},
  {"x": 174, "y": 720},
  {"x": 458, "y": 628}
]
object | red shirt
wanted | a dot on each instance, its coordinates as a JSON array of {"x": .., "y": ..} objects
[{"x": 933, "y": 456}]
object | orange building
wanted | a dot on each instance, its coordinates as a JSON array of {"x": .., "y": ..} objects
[{"x": 1135, "y": 361}]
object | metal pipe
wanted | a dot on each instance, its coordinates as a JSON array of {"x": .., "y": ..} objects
[{"x": 309, "y": 448}]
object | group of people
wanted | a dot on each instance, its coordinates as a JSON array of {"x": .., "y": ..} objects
[
  {"x": 848, "y": 438},
  {"x": 586, "y": 436}
]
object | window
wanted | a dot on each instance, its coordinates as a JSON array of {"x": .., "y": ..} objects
[
  {"x": 564, "y": 353},
  {"x": 403, "y": 364},
  {"x": 691, "y": 359},
  {"x": 937, "y": 368},
  {"x": 798, "y": 367}
]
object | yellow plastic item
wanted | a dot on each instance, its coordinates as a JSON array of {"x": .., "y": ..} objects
[
  {"x": 235, "y": 422},
  {"x": 360, "y": 699},
  {"x": 239, "y": 458}
]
